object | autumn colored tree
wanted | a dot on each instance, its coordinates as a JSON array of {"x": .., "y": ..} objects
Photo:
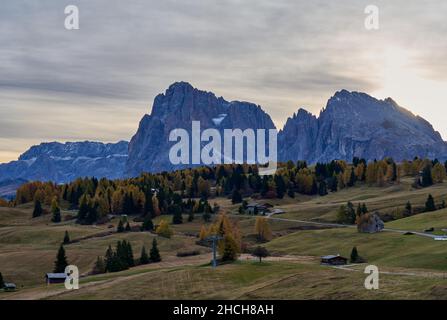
[
  {"x": 262, "y": 229},
  {"x": 164, "y": 230},
  {"x": 55, "y": 211},
  {"x": 438, "y": 173}
]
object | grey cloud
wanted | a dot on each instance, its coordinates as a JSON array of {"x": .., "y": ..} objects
[{"x": 280, "y": 54}]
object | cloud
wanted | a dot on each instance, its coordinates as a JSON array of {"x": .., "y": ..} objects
[{"x": 96, "y": 82}]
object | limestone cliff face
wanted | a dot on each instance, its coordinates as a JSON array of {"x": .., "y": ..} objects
[
  {"x": 357, "y": 125},
  {"x": 178, "y": 107}
]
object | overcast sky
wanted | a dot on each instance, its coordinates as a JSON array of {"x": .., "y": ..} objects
[{"x": 97, "y": 82}]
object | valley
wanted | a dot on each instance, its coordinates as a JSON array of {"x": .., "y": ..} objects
[{"x": 411, "y": 266}]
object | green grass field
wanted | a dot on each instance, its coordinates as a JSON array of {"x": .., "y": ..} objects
[{"x": 28, "y": 249}]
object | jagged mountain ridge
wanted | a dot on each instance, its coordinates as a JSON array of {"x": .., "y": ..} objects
[
  {"x": 63, "y": 162},
  {"x": 177, "y": 108},
  {"x": 351, "y": 124},
  {"x": 356, "y": 124}
]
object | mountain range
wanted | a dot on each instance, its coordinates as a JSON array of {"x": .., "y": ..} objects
[{"x": 352, "y": 124}]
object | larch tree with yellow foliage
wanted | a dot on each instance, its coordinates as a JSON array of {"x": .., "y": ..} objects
[
  {"x": 164, "y": 230},
  {"x": 262, "y": 229}
]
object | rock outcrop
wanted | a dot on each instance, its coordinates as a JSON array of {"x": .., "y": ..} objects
[
  {"x": 355, "y": 124},
  {"x": 177, "y": 108}
]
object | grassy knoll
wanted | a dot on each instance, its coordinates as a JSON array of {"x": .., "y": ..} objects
[
  {"x": 252, "y": 280},
  {"x": 383, "y": 249}
]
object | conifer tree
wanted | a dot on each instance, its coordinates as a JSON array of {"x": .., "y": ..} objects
[
  {"x": 191, "y": 215},
  {"x": 55, "y": 211},
  {"x": 83, "y": 208},
  {"x": 430, "y": 204},
  {"x": 148, "y": 225},
  {"x": 144, "y": 258},
  {"x": 2, "y": 282},
  {"x": 109, "y": 260},
  {"x": 427, "y": 179},
  {"x": 120, "y": 227},
  {"x": 61, "y": 261},
  {"x": 322, "y": 188},
  {"x": 129, "y": 254},
  {"x": 354, "y": 255},
  {"x": 100, "y": 266},
  {"x": 154, "y": 254},
  {"x": 236, "y": 197},
  {"x": 38, "y": 211},
  {"x": 177, "y": 217},
  {"x": 127, "y": 229},
  {"x": 408, "y": 209},
  {"x": 66, "y": 238}
]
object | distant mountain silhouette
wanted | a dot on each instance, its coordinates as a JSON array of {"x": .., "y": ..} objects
[{"x": 351, "y": 125}]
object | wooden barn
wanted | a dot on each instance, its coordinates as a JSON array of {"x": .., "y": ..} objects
[
  {"x": 334, "y": 260},
  {"x": 55, "y": 278}
]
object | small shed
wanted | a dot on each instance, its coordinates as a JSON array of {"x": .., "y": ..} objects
[
  {"x": 9, "y": 286},
  {"x": 55, "y": 278},
  {"x": 257, "y": 208},
  {"x": 334, "y": 260}
]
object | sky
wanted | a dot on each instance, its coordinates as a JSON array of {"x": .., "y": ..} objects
[{"x": 97, "y": 82}]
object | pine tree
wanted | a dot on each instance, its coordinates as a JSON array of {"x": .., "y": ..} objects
[
  {"x": 109, "y": 260},
  {"x": 38, "y": 211},
  {"x": 430, "y": 204},
  {"x": 55, "y": 211},
  {"x": 129, "y": 254},
  {"x": 148, "y": 225},
  {"x": 236, "y": 197},
  {"x": 100, "y": 266},
  {"x": 351, "y": 181},
  {"x": 322, "y": 189},
  {"x": 177, "y": 218},
  {"x": 83, "y": 208},
  {"x": 120, "y": 227},
  {"x": 66, "y": 238},
  {"x": 127, "y": 229},
  {"x": 191, "y": 215},
  {"x": 427, "y": 179},
  {"x": 2, "y": 283},
  {"x": 144, "y": 259},
  {"x": 354, "y": 255},
  {"x": 61, "y": 261},
  {"x": 408, "y": 209},
  {"x": 154, "y": 254}
]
